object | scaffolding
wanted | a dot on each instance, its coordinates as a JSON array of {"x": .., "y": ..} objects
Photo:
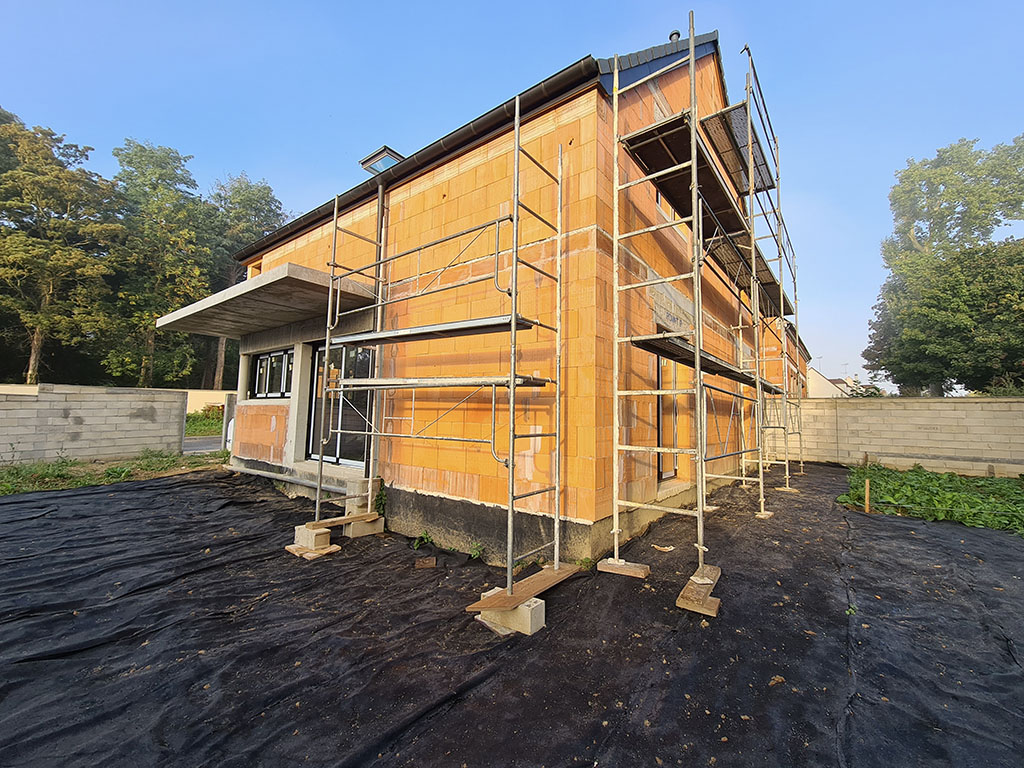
[
  {"x": 714, "y": 173},
  {"x": 781, "y": 413},
  {"x": 723, "y": 189},
  {"x": 337, "y": 391}
]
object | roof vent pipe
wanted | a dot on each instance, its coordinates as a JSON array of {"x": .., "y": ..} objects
[{"x": 673, "y": 36}]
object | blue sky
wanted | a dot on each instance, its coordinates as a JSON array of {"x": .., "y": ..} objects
[{"x": 298, "y": 92}]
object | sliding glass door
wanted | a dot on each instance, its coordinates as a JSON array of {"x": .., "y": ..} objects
[{"x": 350, "y": 413}]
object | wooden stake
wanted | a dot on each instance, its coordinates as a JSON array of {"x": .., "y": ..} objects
[{"x": 867, "y": 495}]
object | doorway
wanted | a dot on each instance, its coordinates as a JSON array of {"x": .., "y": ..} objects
[{"x": 351, "y": 413}]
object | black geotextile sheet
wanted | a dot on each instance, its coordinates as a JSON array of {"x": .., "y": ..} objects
[{"x": 162, "y": 623}]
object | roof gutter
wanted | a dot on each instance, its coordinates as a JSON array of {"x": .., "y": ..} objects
[{"x": 568, "y": 79}]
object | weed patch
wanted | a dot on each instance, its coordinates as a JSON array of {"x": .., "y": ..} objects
[
  {"x": 979, "y": 502},
  {"x": 70, "y": 473}
]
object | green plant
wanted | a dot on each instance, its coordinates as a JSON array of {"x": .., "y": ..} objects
[
  {"x": 979, "y": 502},
  {"x": 156, "y": 461},
  {"x": 423, "y": 540},
  {"x": 1005, "y": 386},
  {"x": 476, "y": 550},
  {"x": 380, "y": 501},
  {"x": 117, "y": 473},
  {"x": 586, "y": 563},
  {"x": 202, "y": 423},
  {"x": 851, "y": 611}
]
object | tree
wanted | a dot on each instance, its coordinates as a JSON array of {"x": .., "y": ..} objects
[
  {"x": 161, "y": 266},
  {"x": 983, "y": 319},
  {"x": 942, "y": 207},
  {"x": 56, "y": 227},
  {"x": 246, "y": 212}
]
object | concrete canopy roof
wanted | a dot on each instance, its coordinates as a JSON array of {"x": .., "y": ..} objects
[{"x": 286, "y": 294}]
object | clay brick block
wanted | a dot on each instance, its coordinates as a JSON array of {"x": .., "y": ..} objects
[{"x": 312, "y": 538}]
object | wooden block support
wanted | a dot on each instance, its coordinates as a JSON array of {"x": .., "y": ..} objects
[
  {"x": 334, "y": 522},
  {"x": 621, "y": 567},
  {"x": 524, "y": 590},
  {"x": 697, "y": 597},
  {"x": 356, "y": 529},
  {"x": 311, "y": 554}
]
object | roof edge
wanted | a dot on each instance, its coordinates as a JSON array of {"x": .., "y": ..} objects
[{"x": 560, "y": 83}]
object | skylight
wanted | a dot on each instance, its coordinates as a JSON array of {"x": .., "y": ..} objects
[{"x": 381, "y": 160}]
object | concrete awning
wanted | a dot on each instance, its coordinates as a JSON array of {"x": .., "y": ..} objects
[{"x": 286, "y": 294}]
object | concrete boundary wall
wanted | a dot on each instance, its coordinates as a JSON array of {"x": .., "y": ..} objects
[
  {"x": 54, "y": 420},
  {"x": 966, "y": 435}
]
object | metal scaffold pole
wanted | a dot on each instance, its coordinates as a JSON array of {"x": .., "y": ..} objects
[
  {"x": 783, "y": 323},
  {"x": 755, "y": 304},
  {"x": 616, "y": 426},
  {"x": 697, "y": 261},
  {"x": 513, "y": 292},
  {"x": 558, "y": 370},
  {"x": 325, "y": 430}
]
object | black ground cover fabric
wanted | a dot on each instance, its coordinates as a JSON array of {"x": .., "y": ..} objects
[{"x": 162, "y": 623}]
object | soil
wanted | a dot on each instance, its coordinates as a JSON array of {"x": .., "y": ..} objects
[{"x": 161, "y": 622}]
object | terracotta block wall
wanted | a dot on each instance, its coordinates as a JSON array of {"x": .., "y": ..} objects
[
  {"x": 662, "y": 307},
  {"x": 474, "y": 188},
  {"x": 260, "y": 432},
  {"x": 463, "y": 194}
]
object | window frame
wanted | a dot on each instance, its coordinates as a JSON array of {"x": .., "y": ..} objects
[{"x": 262, "y": 365}]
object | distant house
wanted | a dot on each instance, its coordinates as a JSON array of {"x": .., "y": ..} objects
[{"x": 819, "y": 385}]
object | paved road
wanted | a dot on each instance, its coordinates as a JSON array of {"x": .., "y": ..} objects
[{"x": 202, "y": 444}]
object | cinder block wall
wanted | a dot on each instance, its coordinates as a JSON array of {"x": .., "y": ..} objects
[
  {"x": 89, "y": 422},
  {"x": 969, "y": 436}
]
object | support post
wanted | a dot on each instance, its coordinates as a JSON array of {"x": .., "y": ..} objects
[
  {"x": 697, "y": 259},
  {"x": 513, "y": 291},
  {"x": 558, "y": 370},
  {"x": 616, "y": 332},
  {"x": 329, "y": 326}
]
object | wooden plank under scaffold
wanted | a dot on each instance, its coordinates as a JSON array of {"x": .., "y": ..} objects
[{"x": 697, "y": 597}]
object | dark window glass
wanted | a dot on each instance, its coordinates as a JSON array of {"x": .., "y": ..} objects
[
  {"x": 348, "y": 416},
  {"x": 272, "y": 374}
]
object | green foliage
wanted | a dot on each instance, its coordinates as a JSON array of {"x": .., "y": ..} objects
[
  {"x": 87, "y": 265},
  {"x": 380, "y": 501},
  {"x": 57, "y": 223},
  {"x": 851, "y": 611},
  {"x": 586, "y": 563},
  {"x": 1005, "y": 386},
  {"x": 949, "y": 311},
  {"x": 203, "y": 424},
  {"x": 476, "y": 550},
  {"x": 423, "y": 540},
  {"x": 162, "y": 265},
  {"x": 979, "y": 502}
]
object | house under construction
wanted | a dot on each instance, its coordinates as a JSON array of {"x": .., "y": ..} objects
[{"x": 567, "y": 318}]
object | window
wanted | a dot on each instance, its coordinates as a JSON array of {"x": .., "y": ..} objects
[{"x": 272, "y": 374}]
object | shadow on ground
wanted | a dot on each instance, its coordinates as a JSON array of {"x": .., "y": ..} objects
[{"x": 161, "y": 622}]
